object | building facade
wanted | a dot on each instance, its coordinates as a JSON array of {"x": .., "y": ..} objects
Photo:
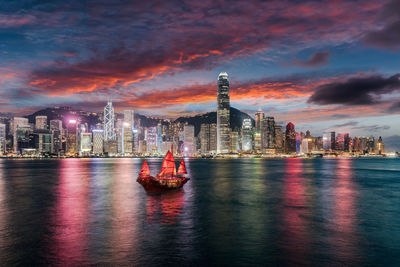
[{"x": 223, "y": 114}]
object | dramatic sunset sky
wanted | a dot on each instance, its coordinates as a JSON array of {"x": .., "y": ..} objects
[{"x": 320, "y": 64}]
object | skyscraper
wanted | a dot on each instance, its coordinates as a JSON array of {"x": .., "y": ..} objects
[
  {"x": 109, "y": 133},
  {"x": 247, "y": 135},
  {"x": 290, "y": 138},
  {"x": 223, "y": 113},
  {"x": 2, "y": 139},
  {"x": 259, "y": 117},
  {"x": 188, "y": 140},
  {"x": 16, "y": 123},
  {"x": 72, "y": 138},
  {"x": 98, "y": 146},
  {"x": 41, "y": 122}
]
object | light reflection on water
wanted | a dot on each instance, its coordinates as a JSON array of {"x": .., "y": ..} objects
[{"x": 250, "y": 211}]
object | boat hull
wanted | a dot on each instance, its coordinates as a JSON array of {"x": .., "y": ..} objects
[{"x": 157, "y": 184}]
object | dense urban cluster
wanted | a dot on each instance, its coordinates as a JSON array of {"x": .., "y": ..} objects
[{"x": 126, "y": 136}]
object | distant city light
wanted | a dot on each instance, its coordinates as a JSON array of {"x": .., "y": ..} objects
[
  {"x": 72, "y": 121},
  {"x": 126, "y": 124}
]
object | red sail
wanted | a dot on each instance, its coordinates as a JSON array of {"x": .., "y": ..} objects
[
  {"x": 168, "y": 166},
  {"x": 145, "y": 171},
  {"x": 182, "y": 168}
]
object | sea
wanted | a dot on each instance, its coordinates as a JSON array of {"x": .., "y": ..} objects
[{"x": 232, "y": 212}]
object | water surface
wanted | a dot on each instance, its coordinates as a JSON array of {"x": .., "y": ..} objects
[{"x": 232, "y": 212}]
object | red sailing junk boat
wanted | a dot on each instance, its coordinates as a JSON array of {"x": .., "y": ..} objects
[{"x": 167, "y": 179}]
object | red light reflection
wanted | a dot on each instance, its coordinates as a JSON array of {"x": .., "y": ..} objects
[
  {"x": 69, "y": 239},
  {"x": 165, "y": 207},
  {"x": 295, "y": 238},
  {"x": 344, "y": 240},
  {"x": 125, "y": 205}
]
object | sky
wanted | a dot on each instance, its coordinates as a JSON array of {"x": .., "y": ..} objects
[{"x": 324, "y": 65}]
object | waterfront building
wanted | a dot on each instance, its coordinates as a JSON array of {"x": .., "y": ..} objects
[
  {"x": 326, "y": 141},
  {"x": 109, "y": 132},
  {"x": 72, "y": 138},
  {"x": 370, "y": 145},
  {"x": 234, "y": 142},
  {"x": 22, "y": 138},
  {"x": 2, "y": 139},
  {"x": 151, "y": 139},
  {"x": 98, "y": 141},
  {"x": 304, "y": 146},
  {"x": 380, "y": 147},
  {"x": 223, "y": 114},
  {"x": 127, "y": 134},
  {"x": 259, "y": 118},
  {"x": 142, "y": 148},
  {"x": 290, "y": 138},
  {"x": 111, "y": 147},
  {"x": 188, "y": 140},
  {"x": 17, "y": 122},
  {"x": 204, "y": 136},
  {"x": 257, "y": 142},
  {"x": 343, "y": 142},
  {"x": 247, "y": 135},
  {"x": 85, "y": 144},
  {"x": 41, "y": 122},
  {"x": 267, "y": 133},
  {"x": 159, "y": 137}
]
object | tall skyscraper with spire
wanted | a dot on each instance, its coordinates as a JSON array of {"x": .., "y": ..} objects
[
  {"x": 109, "y": 133},
  {"x": 223, "y": 114}
]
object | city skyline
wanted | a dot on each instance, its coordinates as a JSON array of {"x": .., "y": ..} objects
[{"x": 322, "y": 65}]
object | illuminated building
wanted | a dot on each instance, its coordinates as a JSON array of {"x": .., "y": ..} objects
[
  {"x": 304, "y": 146},
  {"x": 56, "y": 135},
  {"x": 72, "y": 138},
  {"x": 247, "y": 135},
  {"x": 208, "y": 138},
  {"x": 267, "y": 133},
  {"x": 151, "y": 139},
  {"x": 41, "y": 122},
  {"x": 142, "y": 147},
  {"x": 15, "y": 124},
  {"x": 380, "y": 147},
  {"x": 127, "y": 134},
  {"x": 234, "y": 142},
  {"x": 159, "y": 137},
  {"x": 22, "y": 140},
  {"x": 44, "y": 142},
  {"x": 257, "y": 142},
  {"x": 188, "y": 140},
  {"x": 223, "y": 114},
  {"x": 85, "y": 144},
  {"x": 290, "y": 138},
  {"x": 326, "y": 141},
  {"x": 111, "y": 147},
  {"x": 204, "y": 138},
  {"x": 2, "y": 139},
  {"x": 98, "y": 141},
  {"x": 129, "y": 117},
  {"x": 342, "y": 142},
  {"x": 370, "y": 145},
  {"x": 109, "y": 133},
  {"x": 259, "y": 118}
]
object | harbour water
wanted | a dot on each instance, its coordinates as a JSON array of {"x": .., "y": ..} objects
[{"x": 341, "y": 211}]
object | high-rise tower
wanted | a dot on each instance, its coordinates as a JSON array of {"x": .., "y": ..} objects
[
  {"x": 223, "y": 124},
  {"x": 109, "y": 133}
]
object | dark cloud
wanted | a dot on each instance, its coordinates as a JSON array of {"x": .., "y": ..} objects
[
  {"x": 371, "y": 128},
  {"x": 387, "y": 36},
  {"x": 346, "y": 124},
  {"x": 126, "y": 42},
  {"x": 317, "y": 59},
  {"x": 355, "y": 91},
  {"x": 395, "y": 107}
]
